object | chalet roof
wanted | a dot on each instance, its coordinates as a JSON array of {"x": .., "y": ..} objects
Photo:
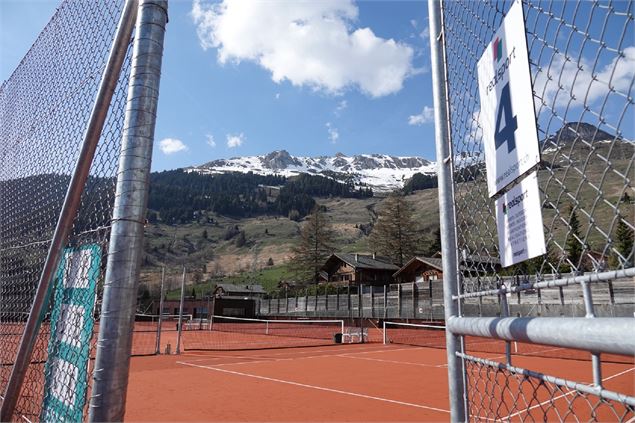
[
  {"x": 241, "y": 289},
  {"x": 434, "y": 262},
  {"x": 360, "y": 261}
]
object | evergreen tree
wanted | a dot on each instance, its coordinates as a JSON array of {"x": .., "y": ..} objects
[
  {"x": 435, "y": 246},
  {"x": 624, "y": 245},
  {"x": 315, "y": 245},
  {"x": 394, "y": 234},
  {"x": 240, "y": 239},
  {"x": 573, "y": 246}
]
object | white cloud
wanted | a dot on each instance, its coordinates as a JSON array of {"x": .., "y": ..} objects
[
  {"x": 234, "y": 141},
  {"x": 210, "y": 140},
  {"x": 310, "y": 43},
  {"x": 277, "y": 96},
  {"x": 341, "y": 106},
  {"x": 425, "y": 33},
  {"x": 333, "y": 133},
  {"x": 413, "y": 22},
  {"x": 426, "y": 116},
  {"x": 171, "y": 145},
  {"x": 580, "y": 83}
]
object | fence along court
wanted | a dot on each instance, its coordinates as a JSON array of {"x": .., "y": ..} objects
[
  {"x": 577, "y": 52},
  {"x": 77, "y": 129},
  {"x": 424, "y": 300}
]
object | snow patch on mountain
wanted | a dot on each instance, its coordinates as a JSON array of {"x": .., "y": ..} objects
[{"x": 379, "y": 171}]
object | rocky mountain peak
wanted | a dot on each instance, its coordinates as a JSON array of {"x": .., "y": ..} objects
[
  {"x": 280, "y": 159},
  {"x": 578, "y": 131}
]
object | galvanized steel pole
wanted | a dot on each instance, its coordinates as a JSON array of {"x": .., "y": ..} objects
[
  {"x": 158, "y": 349},
  {"x": 446, "y": 206},
  {"x": 71, "y": 204},
  {"x": 110, "y": 378},
  {"x": 182, "y": 302}
]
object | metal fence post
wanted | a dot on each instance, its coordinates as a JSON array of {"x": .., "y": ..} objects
[
  {"x": 447, "y": 215},
  {"x": 181, "y": 304},
  {"x": 158, "y": 349},
  {"x": 126, "y": 243},
  {"x": 414, "y": 300},
  {"x": 385, "y": 302},
  {"x": 360, "y": 305},
  {"x": 372, "y": 301},
  {"x": 70, "y": 206},
  {"x": 399, "y": 300}
]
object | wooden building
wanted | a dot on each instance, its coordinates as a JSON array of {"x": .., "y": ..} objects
[
  {"x": 420, "y": 269},
  {"x": 357, "y": 269},
  {"x": 228, "y": 290}
]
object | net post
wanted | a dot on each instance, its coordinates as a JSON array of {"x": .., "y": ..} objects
[
  {"x": 267, "y": 327},
  {"x": 384, "y": 331},
  {"x": 158, "y": 349},
  {"x": 181, "y": 304},
  {"x": 447, "y": 216},
  {"x": 112, "y": 362}
]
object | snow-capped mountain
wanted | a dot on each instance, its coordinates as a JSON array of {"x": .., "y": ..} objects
[{"x": 378, "y": 171}]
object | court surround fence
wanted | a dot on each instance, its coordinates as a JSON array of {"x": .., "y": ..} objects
[
  {"x": 75, "y": 145},
  {"x": 424, "y": 300},
  {"x": 582, "y": 92}
]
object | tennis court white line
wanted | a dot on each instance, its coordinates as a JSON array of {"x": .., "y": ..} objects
[
  {"x": 564, "y": 395},
  {"x": 216, "y": 356},
  {"x": 281, "y": 353},
  {"x": 319, "y": 388},
  {"x": 389, "y": 361},
  {"x": 345, "y": 355}
]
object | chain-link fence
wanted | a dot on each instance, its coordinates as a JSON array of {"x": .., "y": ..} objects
[
  {"x": 582, "y": 67},
  {"x": 55, "y": 108}
]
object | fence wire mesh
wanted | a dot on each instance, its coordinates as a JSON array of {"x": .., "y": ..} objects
[
  {"x": 44, "y": 109},
  {"x": 498, "y": 394},
  {"x": 582, "y": 67}
]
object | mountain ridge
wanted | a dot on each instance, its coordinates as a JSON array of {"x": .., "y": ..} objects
[{"x": 382, "y": 172}]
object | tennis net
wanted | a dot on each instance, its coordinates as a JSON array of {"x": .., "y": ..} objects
[
  {"x": 237, "y": 333},
  {"x": 433, "y": 336}
]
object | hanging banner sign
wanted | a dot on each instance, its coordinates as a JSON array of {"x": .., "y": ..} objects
[
  {"x": 72, "y": 324},
  {"x": 507, "y": 116},
  {"x": 519, "y": 222}
]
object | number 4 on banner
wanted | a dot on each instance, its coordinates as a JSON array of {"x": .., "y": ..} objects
[{"x": 506, "y": 134}]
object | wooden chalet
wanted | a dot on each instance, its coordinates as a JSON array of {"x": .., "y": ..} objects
[
  {"x": 420, "y": 269},
  {"x": 358, "y": 269}
]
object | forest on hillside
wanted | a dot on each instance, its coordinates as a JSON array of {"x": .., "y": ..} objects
[{"x": 176, "y": 195}]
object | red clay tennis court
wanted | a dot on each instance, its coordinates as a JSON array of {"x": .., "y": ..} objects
[{"x": 338, "y": 382}]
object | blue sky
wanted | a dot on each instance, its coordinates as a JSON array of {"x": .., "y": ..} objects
[
  {"x": 350, "y": 77},
  {"x": 321, "y": 77}
]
